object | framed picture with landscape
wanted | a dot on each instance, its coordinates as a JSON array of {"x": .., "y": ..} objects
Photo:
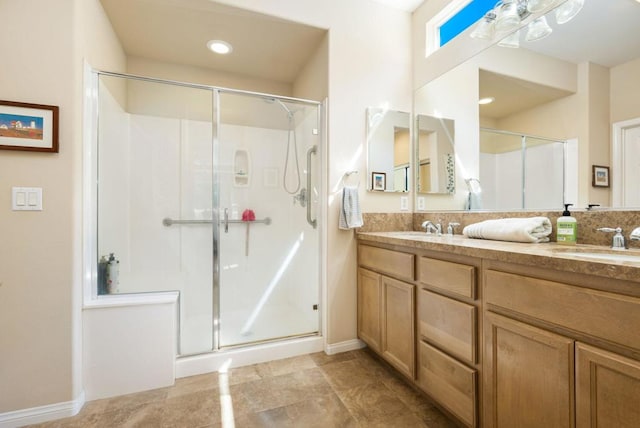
[
  {"x": 28, "y": 127},
  {"x": 379, "y": 180},
  {"x": 600, "y": 176}
]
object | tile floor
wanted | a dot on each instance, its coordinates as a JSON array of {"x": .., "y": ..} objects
[{"x": 351, "y": 389}]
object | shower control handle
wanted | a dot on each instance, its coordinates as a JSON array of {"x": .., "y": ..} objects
[{"x": 226, "y": 220}]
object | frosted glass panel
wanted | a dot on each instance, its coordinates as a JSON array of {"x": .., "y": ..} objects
[
  {"x": 269, "y": 273},
  {"x": 155, "y": 162}
]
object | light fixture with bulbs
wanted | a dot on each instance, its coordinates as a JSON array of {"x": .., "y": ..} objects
[
  {"x": 507, "y": 15},
  {"x": 219, "y": 46}
]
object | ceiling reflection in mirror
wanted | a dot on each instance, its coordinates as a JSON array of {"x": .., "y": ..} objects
[
  {"x": 572, "y": 86},
  {"x": 388, "y": 150}
]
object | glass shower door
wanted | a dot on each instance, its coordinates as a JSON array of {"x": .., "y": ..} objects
[{"x": 268, "y": 276}]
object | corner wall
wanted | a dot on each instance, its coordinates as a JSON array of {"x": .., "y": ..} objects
[{"x": 40, "y": 259}]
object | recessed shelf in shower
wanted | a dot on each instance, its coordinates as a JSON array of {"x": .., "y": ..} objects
[{"x": 241, "y": 168}]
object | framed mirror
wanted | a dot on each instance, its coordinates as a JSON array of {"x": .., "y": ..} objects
[{"x": 388, "y": 150}]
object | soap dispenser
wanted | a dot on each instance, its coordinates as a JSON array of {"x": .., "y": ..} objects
[{"x": 566, "y": 228}]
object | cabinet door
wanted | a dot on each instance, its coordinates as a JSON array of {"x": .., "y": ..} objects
[
  {"x": 369, "y": 307},
  {"x": 607, "y": 389},
  {"x": 529, "y": 376},
  {"x": 398, "y": 325}
]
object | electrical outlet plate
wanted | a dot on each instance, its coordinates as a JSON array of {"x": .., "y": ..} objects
[
  {"x": 421, "y": 203},
  {"x": 404, "y": 203}
]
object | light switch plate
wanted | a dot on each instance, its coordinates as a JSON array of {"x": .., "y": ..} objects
[
  {"x": 421, "y": 204},
  {"x": 26, "y": 198},
  {"x": 404, "y": 203}
]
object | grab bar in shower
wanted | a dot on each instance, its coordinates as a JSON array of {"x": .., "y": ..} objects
[
  {"x": 311, "y": 151},
  {"x": 169, "y": 222}
]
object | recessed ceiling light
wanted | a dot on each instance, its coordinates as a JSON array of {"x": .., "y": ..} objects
[
  {"x": 487, "y": 100},
  {"x": 219, "y": 46}
]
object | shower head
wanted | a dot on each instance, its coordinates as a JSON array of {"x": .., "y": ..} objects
[{"x": 283, "y": 105}]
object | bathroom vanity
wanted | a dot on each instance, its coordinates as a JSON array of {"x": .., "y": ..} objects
[{"x": 506, "y": 334}]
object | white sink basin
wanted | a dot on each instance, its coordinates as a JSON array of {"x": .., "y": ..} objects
[{"x": 602, "y": 255}]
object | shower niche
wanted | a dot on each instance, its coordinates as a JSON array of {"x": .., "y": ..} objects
[{"x": 241, "y": 168}]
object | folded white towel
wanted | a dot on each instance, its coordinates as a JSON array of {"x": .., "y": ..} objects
[
  {"x": 350, "y": 212},
  {"x": 531, "y": 229}
]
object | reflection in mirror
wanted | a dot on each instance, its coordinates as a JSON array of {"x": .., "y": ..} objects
[
  {"x": 435, "y": 154},
  {"x": 578, "y": 85},
  {"x": 521, "y": 171},
  {"x": 388, "y": 146}
]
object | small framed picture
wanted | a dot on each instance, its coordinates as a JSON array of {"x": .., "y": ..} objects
[
  {"x": 28, "y": 127},
  {"x": 600, "y": 176},
  {"x": 379, "y": 180}
]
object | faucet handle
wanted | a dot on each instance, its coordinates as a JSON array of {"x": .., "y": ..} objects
[
  {"x": 427, "y": 226},
  {"x": 618, "y": 238},
  {"x": 635, "y": 235},
  {"x": 452, "y": 226}
]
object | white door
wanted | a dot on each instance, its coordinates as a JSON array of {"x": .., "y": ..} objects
[{"x": 626, "y": 164}]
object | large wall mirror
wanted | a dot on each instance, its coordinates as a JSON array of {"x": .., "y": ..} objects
[
  {"x": 388, "y": 150},
  {"x": 560, "y": 105}
]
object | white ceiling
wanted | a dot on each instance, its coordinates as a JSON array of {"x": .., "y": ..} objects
[
  {"x": 406, "y": 5},
  {"x": 605, "y": 32},
  {"x": 513, "y": 95},
  {"x": 176, "y": 31}
]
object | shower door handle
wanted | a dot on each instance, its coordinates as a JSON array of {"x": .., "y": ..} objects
[
  {"x": 226, "y": 220},
  {"x": 310, "y": 152}
]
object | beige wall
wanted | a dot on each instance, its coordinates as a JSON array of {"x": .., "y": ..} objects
[
  {"x": 204, "y": 76},
  {"x": 625, "y": 91},
  {"x": 40, "y": 259},
  {"x": 312, "y": 83}
]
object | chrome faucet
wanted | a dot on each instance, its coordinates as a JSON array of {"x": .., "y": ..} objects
[
  {"x": 430, "y": 228},
  {"x": 618, "y": 238},
  {"x": 452, "y": 228}
]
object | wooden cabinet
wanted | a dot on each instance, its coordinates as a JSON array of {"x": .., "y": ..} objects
[
  {"x": 538, "y": 369},
  {"x": 386, "y": 318},
  {"x": 449, "y": 382},
  {"x": 398, "y": 325},
  {"x": 448, "y": 324},
  {"x": 369, "y": 308},
  {"x": 448, "y": 336},
  {"x": 607, "y": 389},
  {"x": 528, "y": 376}
]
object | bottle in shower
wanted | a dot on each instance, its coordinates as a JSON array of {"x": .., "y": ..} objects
[
  {"x": 102, "y": 275},
  {"x": 112, "y": 275}
]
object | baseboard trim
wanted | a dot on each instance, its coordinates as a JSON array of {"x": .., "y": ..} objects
[
  {"x": 347, "y": 345},
  {"x": 36, "y": 415}
]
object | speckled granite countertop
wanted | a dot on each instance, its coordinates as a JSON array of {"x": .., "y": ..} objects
[{"x": 586, "y": 259}]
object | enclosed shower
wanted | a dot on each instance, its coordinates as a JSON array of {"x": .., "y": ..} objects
[{"x": 212, "y": 193}]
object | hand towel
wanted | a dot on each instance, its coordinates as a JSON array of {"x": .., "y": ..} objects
[
  {"x": 350, "y": 212},
  {"x": 531, "y": 229}
]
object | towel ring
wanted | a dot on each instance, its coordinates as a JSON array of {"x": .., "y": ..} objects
[{"x": 347, "y": 175}]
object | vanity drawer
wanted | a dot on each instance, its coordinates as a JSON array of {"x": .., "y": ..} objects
[
  {"x": 449, "y": 324},
  {"x": 449, "y": 382},
  {"x": 600, "y": 314},
  {"x": 452, "y": 277},
  {"x": 393, "y": 263}
]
